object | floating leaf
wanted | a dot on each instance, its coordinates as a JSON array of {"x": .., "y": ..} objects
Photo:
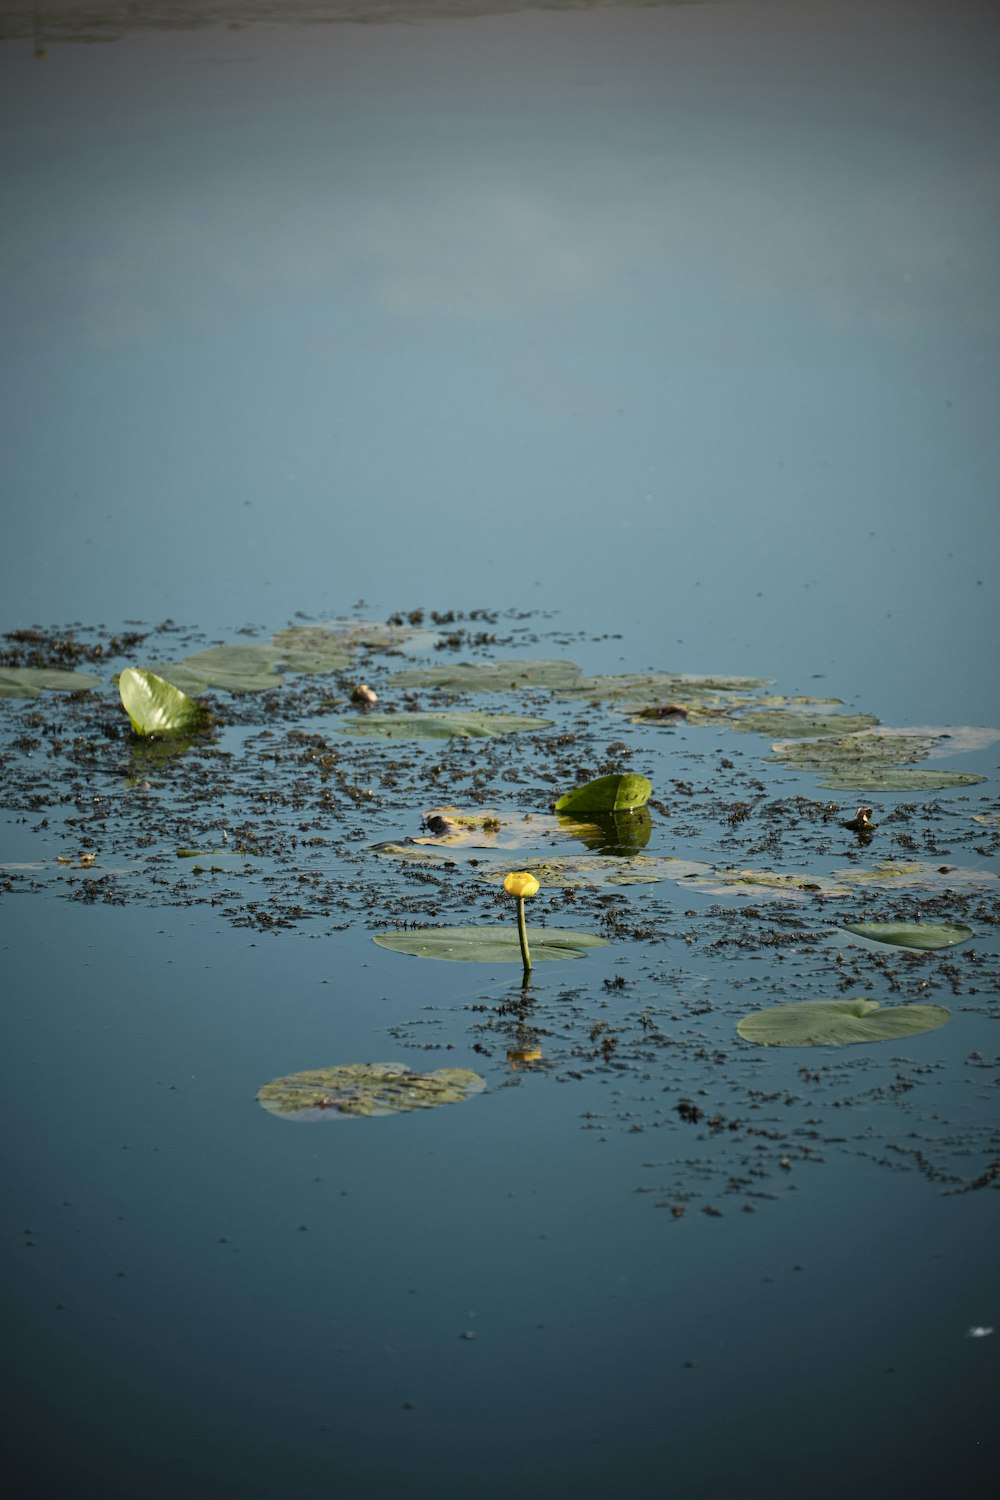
[
  {"x": 28, "y": 682},
  {"x": 918, "y": 875},
  {"x": 364, "y": 1090},
  {"x": 489, "y": 944},
  {"x": 788, "y": 723},
  {"x": 155, "y": 706},
  {"x": 764, "y": 883},
  {"x": 657, "y": 687},
  {"x": 619, "y": 793},
  {"x": 489, "y": 677},
  {"x": 574, "y": 870},
  {"x": 838, "y": 1023},
  {"x": 418, "y": 726},
  {"x": 330, "y": 647},
  {"x": 898, "y": 779},
  {"x": 243, "y": 668},
  {"x": 925, "y": 935}
]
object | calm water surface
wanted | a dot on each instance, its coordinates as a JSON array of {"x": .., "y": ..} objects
[{"x": 676, "y": 326}]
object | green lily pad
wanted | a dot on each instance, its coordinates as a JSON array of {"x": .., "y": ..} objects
[
  {"x": 489, "y": 676},
  {"x": 763, "y": 883},
  {"x": 838, "y": 1023},
  {"x": 656, "y": 687},
  {"x": 364, "y": 1090},
  {"x": 329, "y": 647},
  {"x": 243, "y": 668},
  {"x": 155, "y": 706},
  {"x": 924, "y": 935},
  {"x": 789, "y": 724},
  {"x": 28, "y": 682},
  {"x": 442, "y": 726},
  {"x": 589, "y": 870},
  {"x": 898, "y": 779},
  {"x": 489, "y": 945},
  {"x": 606, "y": 794},
  {"x": 917, "y": 875}
]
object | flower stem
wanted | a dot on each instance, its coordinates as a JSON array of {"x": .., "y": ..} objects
[{"x": 522, "y": 933}]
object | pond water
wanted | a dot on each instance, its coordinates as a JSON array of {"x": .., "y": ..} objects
[{"x": 646, "y": 339}]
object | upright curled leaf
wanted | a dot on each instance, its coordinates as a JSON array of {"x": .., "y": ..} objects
[{"x": 155, "y": 706}]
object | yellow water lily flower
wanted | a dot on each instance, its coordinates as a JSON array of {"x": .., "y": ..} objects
[{"x": 520, "y": 883}]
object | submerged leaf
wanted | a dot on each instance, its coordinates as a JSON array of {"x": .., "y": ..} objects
[
  {"x": 619, "y": 793},
  {"x": 489, "y": 676},
  {"x": 898, "y": 779},
  {"x": 418, "y": 726},
  {"x": 838, "y": 1023},
  {"x": 918, "y": 875},
  {"x": 155, "y": 706},
  {"x": 573, "y": 870},
  {"x": 488, "y": 944},
  {"x": 764, "y": 883},
  {"x": 364, "y": 1090},
  {"x": 28, "y": 682},
  {"x": 924, "y": 935}
]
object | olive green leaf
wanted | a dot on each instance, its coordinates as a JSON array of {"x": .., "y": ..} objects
[
  {"x": 578, "y": 870},
  {"x": 439, "y": 726},
  {"x": 155, "y": 706},
  {"x": 924, "y": 935},
  {"x": 363, "y": 1090},
  {"x": 916, "y": 875},
  {"x": 488, "y": 944},
  {"x": 656, "y": 687},
  {"x": 789, "y": 724},
  {"x": 619, "y": 793},
  {"x": 838, "y": 1023},
  {"x": 489, "y": 677},
  {"x": 28, "y": 682},
  {"x": 764, "y": 883},
  {"x": 898, "y": 779},
  {"x": 243, "y": 668}
]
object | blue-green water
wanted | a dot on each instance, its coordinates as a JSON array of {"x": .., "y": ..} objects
[{"x": 676, "y": 328}]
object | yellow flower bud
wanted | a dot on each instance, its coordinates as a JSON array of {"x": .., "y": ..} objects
[{"x": 520, "y": 883}]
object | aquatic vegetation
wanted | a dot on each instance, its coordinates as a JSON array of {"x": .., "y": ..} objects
[
  {"x": 871, "y": 760},
  {"x": 923, "y": 935},
  {"x": 488, "y": 944},
  {"x": 365, "y": 1091},
  {"x": 155, "y": 706},
  {"x": 489, "y": 676},
  {"x": 440, "y": 726},
  {"x": 28, "y": 682},
  {"x": 522, "y": 885},
  {"x": 838, "y": 1023},
  {"x": 607, "y": 794}
]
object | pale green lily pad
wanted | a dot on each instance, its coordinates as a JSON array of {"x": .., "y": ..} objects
[
  {"x": 330, "y": 647},
  {"x": 923, "y": 935},
  {"x": 619, "y": 793},
  {"x": 655, "y": 687},
  {"x": 490, "y": 676},
  {"x": 155, "y": 706},
  {"x": 590, "y": 870},
  {"x": 838, "y": 1023},
  {"x": 489, "y": 945},
  {"x": 441, "y": 726},
  {"x": 767, "y": 883},
  {"x": 243, "y": 668},
  {"x": 28, "y": 682},
  {"x": 778, "y": 723},
  {"x": 898, "y": 779},
  {"x": 366, "y": 1090},
  {"x": 917, "y": 875},
  {"x": 881, "y": 760}
]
